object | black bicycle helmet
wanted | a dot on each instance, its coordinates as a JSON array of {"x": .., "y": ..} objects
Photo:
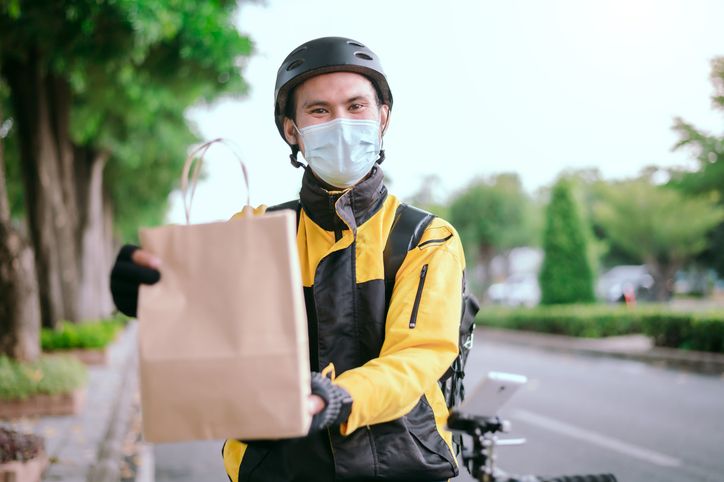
[{"x": 321, "y": 56}]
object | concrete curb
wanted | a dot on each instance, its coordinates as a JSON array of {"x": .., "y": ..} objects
[
  {"x": 146, "y": 463},
  {"x": 633, "y": 347},
  {"x": 107, "y": 466}
]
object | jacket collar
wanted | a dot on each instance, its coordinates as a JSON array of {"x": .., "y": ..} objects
[{"x": 334, "y": 209}]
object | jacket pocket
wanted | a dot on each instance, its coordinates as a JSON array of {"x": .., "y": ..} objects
[
  {"x": 418, "y": 297},
  {"x": 411, "y": 448}
]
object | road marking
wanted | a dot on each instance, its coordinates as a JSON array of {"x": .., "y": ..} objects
[{"x": 616, "y": 445}]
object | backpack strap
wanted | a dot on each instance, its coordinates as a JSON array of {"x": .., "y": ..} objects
[
  {"x": 295, "y": 205},
  {"x": 407, "y": 229}
]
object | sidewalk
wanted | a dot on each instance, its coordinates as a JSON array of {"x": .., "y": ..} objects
[
  {"x": 634, "y": 347},
  {"x": 89, "y": 447},
  {"x": 101, "y": 443}
]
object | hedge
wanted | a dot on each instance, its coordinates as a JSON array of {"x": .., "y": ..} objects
[
  {"x": 702, "y": 331},
  {"x": 50, "y": 374},
  {"x": 97, "y": 334}
]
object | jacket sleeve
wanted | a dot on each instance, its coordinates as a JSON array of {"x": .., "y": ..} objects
[{"x": 421, "y": 332}]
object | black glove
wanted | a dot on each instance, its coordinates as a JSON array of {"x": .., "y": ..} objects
[
  {"x": 338, "y": 403},
  {"x": 126, "y": 277}
]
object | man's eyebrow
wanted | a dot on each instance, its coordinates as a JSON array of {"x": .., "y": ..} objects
[
  {"x": 358, "y": 98},
  {"x": 324, "y": 103},
  {"x": 314, "y": 102}
]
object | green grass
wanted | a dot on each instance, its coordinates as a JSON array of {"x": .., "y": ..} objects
[
  {"x": 50, "y": 374},
  {"x": 702, "y": 331},
  {"x": 96, "y": 334}
]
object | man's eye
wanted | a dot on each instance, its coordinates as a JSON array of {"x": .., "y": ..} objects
[
  {"x": 356, "y": 106},
  {"x": 318, "y": 110}
]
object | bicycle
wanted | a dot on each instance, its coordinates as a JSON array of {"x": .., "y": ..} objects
[{"x": 480, "y": 459}]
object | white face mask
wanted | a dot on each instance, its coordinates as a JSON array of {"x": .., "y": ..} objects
[{"x": 341, "y": 151}]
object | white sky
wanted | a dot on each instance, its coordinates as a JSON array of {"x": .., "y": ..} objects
[{"x": 481, "y": 87}]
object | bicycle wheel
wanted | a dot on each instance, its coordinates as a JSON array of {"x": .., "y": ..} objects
[{"x": 580, "y": 478}]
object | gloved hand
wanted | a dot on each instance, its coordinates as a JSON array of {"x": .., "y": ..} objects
[
  {"x": 338, "y": 403},
  {"x": 126, "y": 277}
]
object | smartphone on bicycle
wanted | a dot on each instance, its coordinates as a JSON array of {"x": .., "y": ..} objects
[{"x": 489, "y": 396}]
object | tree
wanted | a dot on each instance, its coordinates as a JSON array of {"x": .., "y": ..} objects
[
  {"x": 19, "y": 310},
  {"x": 586, "y": 187},
  {"x": 427, "y": 196},
  {"x": 98, "y": 90},
  {"x": 659, "y": 225},
  {"x": 709, "y": 179},
  {"x": 493, "y": 215},
  {"x": 566, "y": 275}
]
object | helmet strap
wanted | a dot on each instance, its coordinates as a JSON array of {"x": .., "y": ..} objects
[
  {"x": 293, "y": 157},
  {"x": 381, "y": 159}
]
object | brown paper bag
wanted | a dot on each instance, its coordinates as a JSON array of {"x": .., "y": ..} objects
[{"x": 223, "y": 335}]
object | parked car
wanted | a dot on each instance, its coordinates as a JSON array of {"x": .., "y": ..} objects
[
  {"x": 517, "y": 290},
  {"x": 615, "y": 282}
]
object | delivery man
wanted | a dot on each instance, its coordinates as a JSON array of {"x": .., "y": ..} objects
[{"x": 382, "y": 417}]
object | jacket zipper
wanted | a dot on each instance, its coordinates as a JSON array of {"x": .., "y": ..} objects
[
  {"x": 335, "y": 218},
  {"x": 374, "y": 450},
  {"x": 418, "y": 296}
]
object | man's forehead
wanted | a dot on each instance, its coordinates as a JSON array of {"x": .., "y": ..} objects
[{"x": 333, "y": 84}]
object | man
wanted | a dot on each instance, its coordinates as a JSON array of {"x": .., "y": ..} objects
[{"x": 383, "y": 416}]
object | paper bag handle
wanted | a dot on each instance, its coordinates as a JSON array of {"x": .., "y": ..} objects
[{"x": 199, "y": 153}]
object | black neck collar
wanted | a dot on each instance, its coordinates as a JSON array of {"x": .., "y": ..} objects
[{"x": 334, "y": 209}]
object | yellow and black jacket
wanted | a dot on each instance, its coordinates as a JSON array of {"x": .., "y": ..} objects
[{"x": 389, "y": 359}]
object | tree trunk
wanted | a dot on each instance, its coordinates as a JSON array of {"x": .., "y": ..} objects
[
  {"x": 486, "y": 254},
  {"x": 663, "y": 273},
  {"x": 41, "y": 106},
  {"x": 19, "y": 309},
  {"x": 94, "y": 296}
]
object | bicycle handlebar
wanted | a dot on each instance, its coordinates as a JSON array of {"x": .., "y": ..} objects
[{"x": 482, "y": 429}]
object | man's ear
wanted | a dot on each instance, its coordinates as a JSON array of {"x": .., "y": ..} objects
[
  {"x": 384, "y": 118},
  {"x": 290, "y": 133}
]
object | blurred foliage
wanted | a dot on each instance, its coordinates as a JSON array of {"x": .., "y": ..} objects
[
  {"x": 50, "y": 374},
  {"x": 134, "y": 67},
  {"x": 67, "y": 335},
  {"x": 583, "y": 320},
  {"x": 587, "y": 186},
  {"x": 660, "y": 225},
  {"x": 428, "y": 196},
  {"x": 11, "y": 157},
  {"x": 494, "y": 213},
  {"x": 702, "y": 331},
  {"x": 709, "y": 178},
  {"x": 566, "y": 275}
]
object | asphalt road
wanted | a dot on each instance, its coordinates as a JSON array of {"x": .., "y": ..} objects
[
  {"x": 579, "y": 414},
  {"x": 584, "y": 414}
]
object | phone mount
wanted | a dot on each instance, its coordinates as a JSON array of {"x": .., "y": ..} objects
[{"x": 480, "y": 459}]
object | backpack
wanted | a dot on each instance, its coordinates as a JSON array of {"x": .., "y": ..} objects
[{"x": 407, "y": 229}]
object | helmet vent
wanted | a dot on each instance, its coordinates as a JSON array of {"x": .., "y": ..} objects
[
  {"x": 298, "y": 51},
  {"x": 356, "y": 44},
  {"x": 362, "y": 55},
  {"x": 295, "y": 64}
]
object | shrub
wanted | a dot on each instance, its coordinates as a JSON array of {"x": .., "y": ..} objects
[
  {"x": 690, "y": 331},
  {"x": 50, "y": 374},
  {"x": 18, "y": 447},
  {"x": 693, "y": 331},
  {"x": 566, "y": 275},
  {"x": 590, "y": 321},
  {"x": 80, "y": 335}
]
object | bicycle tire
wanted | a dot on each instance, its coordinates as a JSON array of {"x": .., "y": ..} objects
[{"x": 580, "y": 478}]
